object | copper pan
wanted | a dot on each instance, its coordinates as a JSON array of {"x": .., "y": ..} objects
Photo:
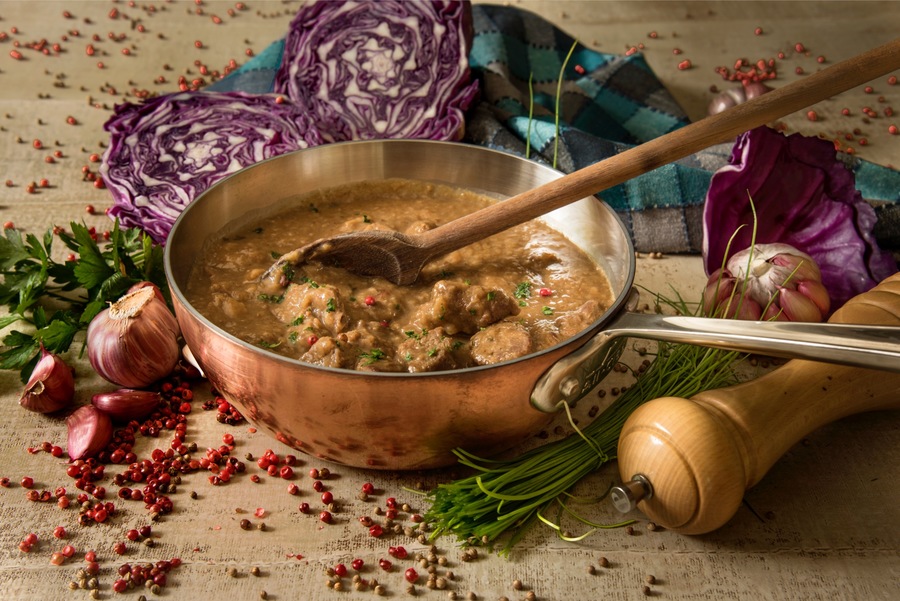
[
  {"x": 383, "y": 420},
  {"x": 414, "y": 421}
]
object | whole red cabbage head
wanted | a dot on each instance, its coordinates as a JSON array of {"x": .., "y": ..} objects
[
  {"x": 372, "y": 69},
  {"x": 167, "y": 150},
  {"x": 804, "y": 197}
]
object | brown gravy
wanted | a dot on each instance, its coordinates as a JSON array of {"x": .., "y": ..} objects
[{"x": 510, "y": 295}]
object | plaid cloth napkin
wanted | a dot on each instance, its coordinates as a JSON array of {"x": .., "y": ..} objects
[{"x": 608, "y": 104}]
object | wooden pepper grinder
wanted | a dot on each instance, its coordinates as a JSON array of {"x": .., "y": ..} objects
[{"x": 688, "y": 462}]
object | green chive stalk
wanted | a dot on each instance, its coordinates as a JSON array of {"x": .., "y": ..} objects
[
  {"x": 505, "y": 497},
  {"x": 559, "y": 82}
]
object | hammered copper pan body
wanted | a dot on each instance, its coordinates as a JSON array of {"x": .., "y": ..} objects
[{"x": 382, "y": 420}]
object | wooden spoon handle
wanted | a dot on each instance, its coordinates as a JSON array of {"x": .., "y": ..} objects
[
  {"x": 715, "y": 129},
  {"x": 701, "y": 455}
]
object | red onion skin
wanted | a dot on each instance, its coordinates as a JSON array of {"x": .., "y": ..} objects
[
  {"x": 89, "y": 431},
  {"x": 126, "y": 404},
  {"x": 51, "y": 385},
  {"x": 134, "y": 342}
]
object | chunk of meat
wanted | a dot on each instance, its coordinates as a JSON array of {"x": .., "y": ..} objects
[
  {"x": 328, "y": 352},
  {"x": 502, "y": 341},
  {"x": 321, "y": 307},
  {"x": 570, "y": 323},
  {"x": 431, "y": 350},
  {"x": 458, "y": 307}
]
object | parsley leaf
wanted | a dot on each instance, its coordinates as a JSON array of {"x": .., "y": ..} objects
[{"x": 77, "y": 290}]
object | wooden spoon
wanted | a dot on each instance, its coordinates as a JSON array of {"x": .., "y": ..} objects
[{"x": 400, "y": 257}]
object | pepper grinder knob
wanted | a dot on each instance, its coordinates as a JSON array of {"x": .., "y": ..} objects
[{"x": 625, "y": 497}]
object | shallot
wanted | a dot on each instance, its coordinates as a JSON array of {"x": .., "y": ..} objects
[
  {"x": 134, "y": 342},
  {"x": 51, "y": 385},
  {"x": 126, "y": 404},
  {"x": 737, "y": 95},
  {"x": 89, "y": 431}
]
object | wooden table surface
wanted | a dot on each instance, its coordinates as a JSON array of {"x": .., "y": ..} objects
[{"x": 821, "y": 525}]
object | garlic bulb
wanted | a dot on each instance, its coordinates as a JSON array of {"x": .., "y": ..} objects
[
  {"x": 89, "y": 431},
  {"x": 51, "y": 385},
  {"x": 768, "y": 281},
  {"x": 134, "y": 342}
]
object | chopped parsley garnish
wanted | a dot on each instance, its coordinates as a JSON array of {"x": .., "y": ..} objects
[
  {"x": 288, "y": 271},
  {"x": 271, "y": 298},
  {"x": 330, "y": 306},
  {"x": 523, "y": 290},
  {"x": 298, "y": 320},
  {"x": 547, "y": 310},
  {"x": 372, "y": 356}
]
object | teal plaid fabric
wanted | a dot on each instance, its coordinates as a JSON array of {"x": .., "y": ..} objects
[{"x": 608, "y": 103}]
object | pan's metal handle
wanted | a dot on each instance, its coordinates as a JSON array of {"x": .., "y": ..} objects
[{"x": 573, "y": 376}]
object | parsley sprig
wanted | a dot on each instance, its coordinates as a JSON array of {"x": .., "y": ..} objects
[{"x": 57, "y": 300}]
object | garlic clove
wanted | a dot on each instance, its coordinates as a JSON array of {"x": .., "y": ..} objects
[
  {"x": 797, "y": 266},
  {"x": 796, "y": 306},
  {"x": 51, "y": 385},
  {"x": 817, "y": 293},
  {"x": 719, "y": 287},
  {"x": 126, "y": 404},
  {"x": 89, "y": 431},
  {"x": 743, "y": 308}
]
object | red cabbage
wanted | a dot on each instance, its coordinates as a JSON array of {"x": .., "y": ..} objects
[
  {"x": 381, "y": 69},
  {"x": 164, "y": 152},
  {"x": 804, "y": 197}
]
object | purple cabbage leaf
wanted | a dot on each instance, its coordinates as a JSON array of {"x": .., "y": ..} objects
[
  {"x": 803, "y": 197},
  {"x": 381, "y": 69},
  {"x": 167, "y": 150}
]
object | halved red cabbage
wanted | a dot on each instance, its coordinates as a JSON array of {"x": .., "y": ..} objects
[
  {"x": 164, "y": 152},
  {"x": 381, "y": 69},
  {"x": 804, "y": 197}
]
